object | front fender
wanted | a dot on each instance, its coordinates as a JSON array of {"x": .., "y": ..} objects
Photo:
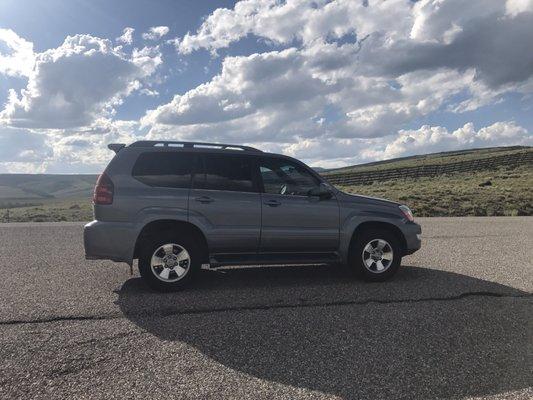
[{"x": 355, "y": 218}]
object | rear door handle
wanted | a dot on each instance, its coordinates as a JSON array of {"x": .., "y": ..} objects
[
  {"x": 272, "y": 203},
  {"x": 204, "y": 199}
]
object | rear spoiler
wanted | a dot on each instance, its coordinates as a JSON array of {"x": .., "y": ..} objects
[{"x": 116, "y": 147}]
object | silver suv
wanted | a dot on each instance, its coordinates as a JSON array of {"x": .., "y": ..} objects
[{"x": 178, "y": 206}]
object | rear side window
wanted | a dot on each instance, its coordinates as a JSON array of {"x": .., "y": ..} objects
[
  {"x": 164, "y": 169},
  {"x": 225, "y": 172}
]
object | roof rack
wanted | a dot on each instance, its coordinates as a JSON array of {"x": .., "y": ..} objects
[{"x": 164, "y": 143}]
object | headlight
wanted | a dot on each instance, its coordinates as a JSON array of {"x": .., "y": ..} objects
[{"x": 407, "y": 212}]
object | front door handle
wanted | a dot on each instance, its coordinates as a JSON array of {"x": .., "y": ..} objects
[
  {"x": 272, "y": 203},
  {"x": 204, "y": 199}
]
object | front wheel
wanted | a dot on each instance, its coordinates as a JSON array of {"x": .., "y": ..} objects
[
  {"x": 375, "y": 255},
  {"x": 168, "y": 263}
]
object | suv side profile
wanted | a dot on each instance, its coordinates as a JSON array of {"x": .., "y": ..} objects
[{"x": 181, "y": 206}]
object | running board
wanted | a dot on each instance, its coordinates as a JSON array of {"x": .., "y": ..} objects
[{"x": 224, "y": 260}]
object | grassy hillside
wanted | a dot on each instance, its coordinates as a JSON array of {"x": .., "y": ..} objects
[
  {"x": 485, "y": 189},
  {"x": 503, "y": 191},
  {"x": 49, "y": 210},
  {"x": 483, "y": 182}
]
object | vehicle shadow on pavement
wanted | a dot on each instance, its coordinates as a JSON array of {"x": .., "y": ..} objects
[{"x": 425, "y": 334}]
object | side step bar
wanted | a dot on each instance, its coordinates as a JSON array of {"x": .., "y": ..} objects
[{"x": 224, "y": 260}]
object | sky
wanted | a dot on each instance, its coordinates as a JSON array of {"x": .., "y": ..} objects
[{"x": 331, "y": 82}]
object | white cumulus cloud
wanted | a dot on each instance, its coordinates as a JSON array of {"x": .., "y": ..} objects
[
  {"x": 514, "y": 7},
  {"x": 127, "y": 36},
  {"x": 431, "y": 139},
  {"x": 245, "y": 86},
  {"x": 156, "y": 32},
  {"x": 302, "y": 20},
  {"x": 77, "y": 82},
  {"x": 16, "y": 54}
]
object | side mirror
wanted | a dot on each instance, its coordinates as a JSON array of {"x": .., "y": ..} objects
[{"x": 322, "y": 191}]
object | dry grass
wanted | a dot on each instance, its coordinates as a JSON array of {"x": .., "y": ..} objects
[
  {"x": 510, "y": 193},
  {"x": 49, "y": 210}
]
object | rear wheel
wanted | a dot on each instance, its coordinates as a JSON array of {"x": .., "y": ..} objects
[
  {"x": 169, "y": 262},
  {"x": 375, "y": 255}
]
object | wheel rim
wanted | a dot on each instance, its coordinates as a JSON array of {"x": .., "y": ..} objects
[
  {"x": 170, "y": 262},
  {"x": 377, "y": 256}
]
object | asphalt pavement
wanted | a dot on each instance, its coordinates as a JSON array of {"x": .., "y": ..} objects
[{"x": 456, "y": 322}]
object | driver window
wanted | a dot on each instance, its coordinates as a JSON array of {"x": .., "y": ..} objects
[{"x": 284, "y": 177}]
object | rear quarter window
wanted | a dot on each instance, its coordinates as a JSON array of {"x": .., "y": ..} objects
[{"x": 164, "y": 169}]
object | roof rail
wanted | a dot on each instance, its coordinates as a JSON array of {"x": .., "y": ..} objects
[{"x": 221, "y": 146}]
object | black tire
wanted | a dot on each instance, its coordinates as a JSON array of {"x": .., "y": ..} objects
[
  {"x": 360, "y": 241},
  {"x": 152, "y": 244}
]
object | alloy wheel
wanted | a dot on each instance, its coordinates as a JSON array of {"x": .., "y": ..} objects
[
  {"x": 377, "y": 256},
  {"x": 170, "y": 262}
]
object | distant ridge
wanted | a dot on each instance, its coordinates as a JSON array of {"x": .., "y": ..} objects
[
  {"x": 46, "y": 186},
  {"x": 432, "y": 165},
  {"x": 476, "y": 153}
]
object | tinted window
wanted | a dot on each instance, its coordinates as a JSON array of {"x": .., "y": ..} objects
[
  {"x": 284, "y": 177},
  {"x": 225, "y": 172},
  {"x": 164, "y": 169}
]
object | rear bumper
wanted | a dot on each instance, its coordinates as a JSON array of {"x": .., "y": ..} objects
[
  {"x": 109, "y": 241},
  {"x": 412, "y": 233}
]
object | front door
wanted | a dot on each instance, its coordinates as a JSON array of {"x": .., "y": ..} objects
[
  {"x": 225, "y": 202},
  {"x": 292, "y": 220}
]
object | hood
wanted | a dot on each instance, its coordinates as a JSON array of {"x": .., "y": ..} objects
[{"x": 360, "y": 199}]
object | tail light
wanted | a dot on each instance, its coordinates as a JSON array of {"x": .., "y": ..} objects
[{"x": 103, "y": 191}]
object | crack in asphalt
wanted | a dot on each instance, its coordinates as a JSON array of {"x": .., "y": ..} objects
[
  {"x": 61, "y": 318},
  {"x": 75, "y": 365},
  {"x": 463, "y": 236},
  {"x": 103, "y": 339},
  {"x": 303, "y": 304}
]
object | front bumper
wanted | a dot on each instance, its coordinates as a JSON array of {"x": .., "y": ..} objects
[
  {"x": 109, "y": 241},
  {"x": 412, "y": 233}
]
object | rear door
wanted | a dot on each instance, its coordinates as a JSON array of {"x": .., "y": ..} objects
[
  {"x": 161, "y": 183},
  {"x": 226, "y": 203},
  {"x": 292, "y": 220}
]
